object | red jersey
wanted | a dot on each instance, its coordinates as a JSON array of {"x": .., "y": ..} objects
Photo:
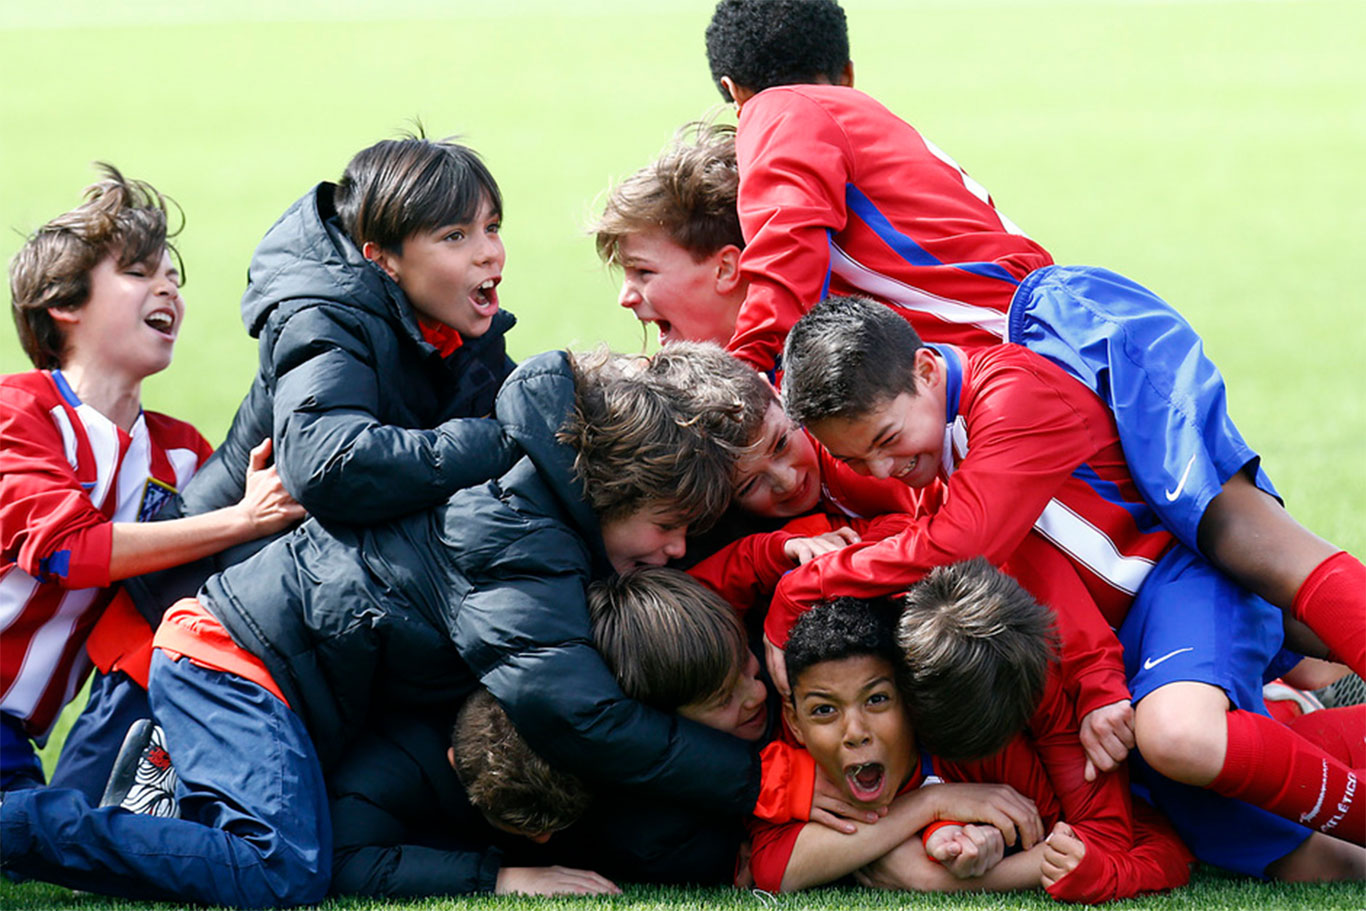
[
  {"x": 838, "y": 195},
  {"x": 66, "y": 473},
  {"x": 1025, "y": 446}
]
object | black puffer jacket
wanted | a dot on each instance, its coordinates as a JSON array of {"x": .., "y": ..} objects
[
  {"x": 488, "y": 587},
  {"x": 369, "y": 421}
]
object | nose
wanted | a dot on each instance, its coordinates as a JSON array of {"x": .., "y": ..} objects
[
  {"x": 757, "y": 694},
  {"x": 540, "y": 838},
  {"x": 783, "y": 477},
  {"x": 676, "y": 545},
  {"x": 492, "y": 249},
  {"x": 629, "y": 297}
]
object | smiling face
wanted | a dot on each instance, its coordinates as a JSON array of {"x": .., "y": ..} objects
[
  {"x": 650, "y": 536},
  {"x": 740, "y": 708},
  {"x": 851, "y": 719},
  {"x": 128, "y": 326},
  {"x": 451, "y": 273},
  {"x": 687, "y": 299},
  {"x": 901, "y": 437},
  {"x": 782, "y": 476}
]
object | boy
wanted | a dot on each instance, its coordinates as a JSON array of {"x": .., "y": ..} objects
[
  {"x": 295, "y": 647},
  {"x": 95, "y": 295},
  {"x": 1017, "y": 443},
  {"x": 415, "y": 814},
  {"x": 847, "y": 710},
  {"x": 381, "y": 347},
  {"x": 840, "y": 196},
  {"x": 671, "y": 228}
]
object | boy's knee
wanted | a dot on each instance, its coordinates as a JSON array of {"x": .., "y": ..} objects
[{"x": 1181, "y": 737}]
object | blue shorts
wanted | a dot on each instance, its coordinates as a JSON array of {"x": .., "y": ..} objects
[
  {"x": 1149, "y": 366},
  {"x": 1189, "y": 622}
]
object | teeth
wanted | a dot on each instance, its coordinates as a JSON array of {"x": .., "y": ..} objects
[
  {"x": 487, "y": 285},
  {"x": 159, "y": 321}
]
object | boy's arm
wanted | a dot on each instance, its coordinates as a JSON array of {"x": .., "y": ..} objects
[
  {"x": 1029, "y": 427},
  {"x": 335, "y": 454},
  {"x": 795, "y": 163},
  {"x": 908, "y": 868},
  {"x": 1157, "y": 861}
]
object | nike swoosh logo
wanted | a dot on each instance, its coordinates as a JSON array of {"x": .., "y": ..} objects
[
  {"x": 1154, "y": 662},
  {"x": 1173, "y": 494}
]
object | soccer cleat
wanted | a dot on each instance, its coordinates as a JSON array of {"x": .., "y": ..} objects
[
  {"x": 1350, "y": 690},
  {"x": 1285, "y": 702},
  {"x": 143, "y": 779}
]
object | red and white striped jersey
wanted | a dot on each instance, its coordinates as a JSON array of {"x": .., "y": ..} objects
[
  {"x": 66, "y": 473},
  {"x": 838, "y": 195},
  {"x": 1025, "y": 446}
]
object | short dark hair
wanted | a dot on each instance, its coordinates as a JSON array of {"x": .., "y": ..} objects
[
  {"x": 504, "y": 778},
  {"x": 763, "y": 43},
  {"x": 838, "y": 629},
  {"x": 846, "y": 356},
  {"x": 121, "y": 217},
  {"x": 397, "y": 187},
  {"x": 669, "y": 640},
  {"x": 635, "y": 448},
  {"x": 688, "y": 192},
  {"x": 975, "y": 651}
]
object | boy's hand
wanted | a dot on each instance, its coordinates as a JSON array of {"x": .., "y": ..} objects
[
  {"x": 906, "y": 868},
  {"x": 777, "y": 668},
  {"x": 800, "y": 550},
  {"x": 1062, "y": 853},
  {"x": 830, "y": 809},
  {"x": 995, "y": 805},
  {"x": 1107, "y": 736},
  {"x": 966, "y": 851},
  {"x": 553, "y": 881},
  {"x": 268, "y": 507}
]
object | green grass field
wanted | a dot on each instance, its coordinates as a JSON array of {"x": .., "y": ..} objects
[{"x": 1211, "y": 150}]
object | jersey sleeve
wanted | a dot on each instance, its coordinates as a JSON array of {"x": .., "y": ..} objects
[
  {"x": 336, "y": 456},
  {"x": 746, "y": 571},
  {"x": 795, "y": 163},
  {"x": 1157, "y": 861},
  {"x": 771, "y": 846},
  {"x": 1028, "y": 430},
  {"x": 48, "y": 524}
]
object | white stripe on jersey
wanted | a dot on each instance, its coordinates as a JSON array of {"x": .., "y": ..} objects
[
  {"x": 900, "y": 294},
  {"x": 184, "y": 462},
  {"x": 133, "y": 474},
  {"x": 16, "y": 587},
  {"x": 975, "y": 188},
  {"x": 1090, "y": 547},
  {"x": 68, "y": 434},
  {"x": 104, "y": 445},
  {"x": 48, "y": 641}
]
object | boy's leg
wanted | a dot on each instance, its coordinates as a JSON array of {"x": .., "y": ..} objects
[
  {"x": 256, "y": 831},
  {"x": 93, "y": 742},
  {"x": 1185, "y": 453},
  {"x": 1196, "y": 647}
]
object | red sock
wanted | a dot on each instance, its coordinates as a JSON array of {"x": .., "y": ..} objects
[
  {"x": 1342, "y": 732},
  {"x": 1332, "y": 602},
  {"x": 1271, "y": 766}
]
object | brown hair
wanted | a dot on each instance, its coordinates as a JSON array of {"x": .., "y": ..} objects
[
  {"x": 505, "y": 778},
  {"x": 398, "y": 187},
  {"x": 669, "y": 640},
  {"x": 120, "y": 217},
  {"x": 636, "y": 447},
  {"x": 688, "y": 192},
  {"x": 975, "y": 650},
  {"x": 706, "y": 379}
]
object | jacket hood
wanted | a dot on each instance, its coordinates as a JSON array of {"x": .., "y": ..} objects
[
  {"x": 534, "y": 403},
  {"x": 307, "y": 256}
]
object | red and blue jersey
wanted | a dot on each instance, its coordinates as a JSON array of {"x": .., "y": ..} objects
[
  {"x": 838, "y": 195},
  {"x": 66, "y": 473},
  {"x": 1025, "y": 447}
]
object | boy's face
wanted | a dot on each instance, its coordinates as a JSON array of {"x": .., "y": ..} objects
[
  {"x": 900, "y": 437},
  {"x": 740, "y": 709},
  {"x": 686, "y": 299},
  {"x": 850, "y": 717},
  {"x": 128, "y": 326},
  {"x": 650, "y": 536},
  {"x": 782, "y": 477},
  {"x": 451, "y": 273}
]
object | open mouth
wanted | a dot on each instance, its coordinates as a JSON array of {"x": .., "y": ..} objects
[
  {"x": 755, "y": 723},
  {"x": 485, "y": 297},
  {"x": 665, "y": 328},
  {"x": 909, "y": 467},
  {"x": 865, "y": 780},
  {"x": 162, "y": 321}
]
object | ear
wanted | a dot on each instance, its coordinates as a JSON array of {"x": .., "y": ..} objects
[
  {"x": 739, "y": 93},
  {"x": 929, "y": 369},
  {"x": 846, "y": 77},
  {"x": 450, "y": 756},
  {"x": 727, "y": 269},
  {"x": 381, "y": 257},
  {"x": 790, "y": 716},
  {"x": 68, "y": 315}
]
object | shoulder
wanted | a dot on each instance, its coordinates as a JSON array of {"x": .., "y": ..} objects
[
  {"x": 33, "y": 386},
  {"x": 173, "y": 433}
]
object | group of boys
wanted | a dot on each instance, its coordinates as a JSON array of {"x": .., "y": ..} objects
[{"x": 484, "y": 546}]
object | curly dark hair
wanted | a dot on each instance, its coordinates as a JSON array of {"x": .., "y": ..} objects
[
  {"x": 763, "y": 43},
  {"x": 838, "y": 629}
]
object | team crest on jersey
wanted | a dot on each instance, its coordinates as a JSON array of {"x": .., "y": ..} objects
[{"x": 154, "y": 496}]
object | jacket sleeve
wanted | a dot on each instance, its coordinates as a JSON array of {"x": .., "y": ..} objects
[
  {"x": 796, "y": 163},
  {"x": 1027, "y": 435},
  {"x": 334, "y": 453},
  {"x": 48, "y": 524},
  {"x": 524, "y": 630}
]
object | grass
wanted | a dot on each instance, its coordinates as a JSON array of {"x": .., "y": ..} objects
[{"x": 1211, "y": 150}]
